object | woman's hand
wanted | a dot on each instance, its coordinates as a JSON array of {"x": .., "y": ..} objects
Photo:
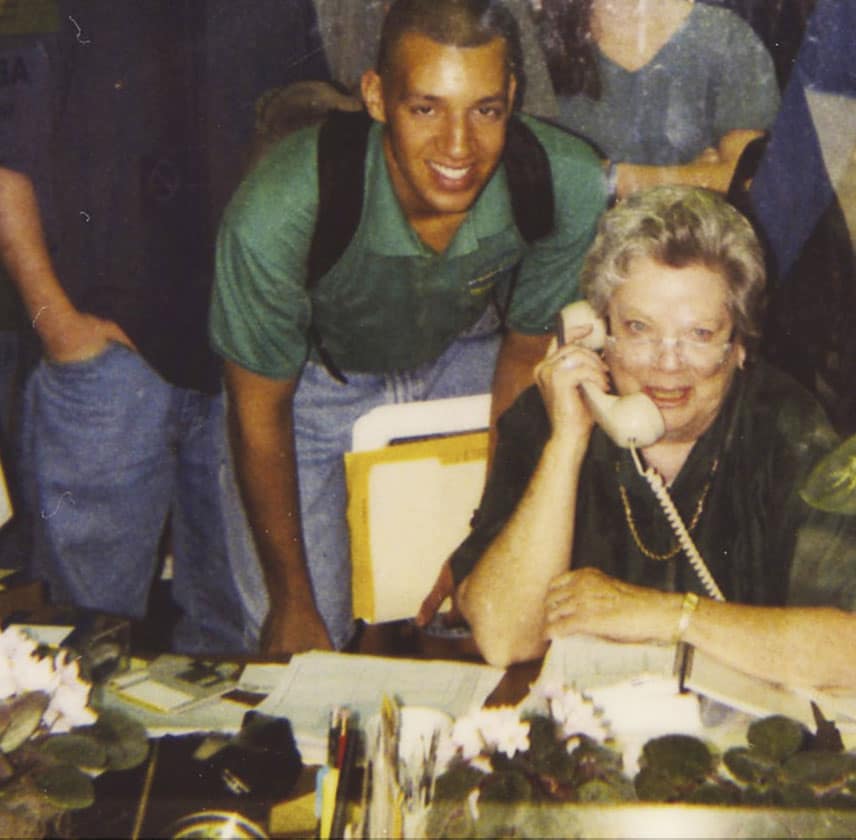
[
  {"x": 559, "y": 376},
  {"x": 590, "y": 602}
]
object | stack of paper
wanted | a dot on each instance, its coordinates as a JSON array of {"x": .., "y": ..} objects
[
  {"x": 636, "y": 688},
  {"x": 360, "y": 682}
]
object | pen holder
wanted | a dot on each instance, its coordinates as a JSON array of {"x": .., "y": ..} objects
[
  {"x": 422, "y": 745},
  {"x": 420, "y": 727}
]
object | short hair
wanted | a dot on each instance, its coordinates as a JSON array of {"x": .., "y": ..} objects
[
  {"x": 679, "y": 226},
  {"x": 457, "y": 23}
]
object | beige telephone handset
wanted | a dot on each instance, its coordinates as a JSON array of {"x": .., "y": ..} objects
[{"x": 632, "y": 422}]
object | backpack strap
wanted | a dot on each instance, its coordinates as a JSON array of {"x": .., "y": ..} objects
[
  {"x": 342, "y": 142},
  {"x": 533, "y": 204},
  {"x": 530, "y": 181}
]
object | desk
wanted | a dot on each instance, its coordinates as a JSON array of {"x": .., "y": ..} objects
[{"x": 118, "y": 793}]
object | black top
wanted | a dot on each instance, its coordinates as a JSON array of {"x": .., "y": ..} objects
[{"x": 761, "y": 541}]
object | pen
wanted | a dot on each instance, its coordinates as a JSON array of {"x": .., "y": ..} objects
[
  {"x": 344, "y": 734},
  {"x": 346, "y": 773},
  {"x": 683, "y": 664},
  {"x": 333, "y": 735}
]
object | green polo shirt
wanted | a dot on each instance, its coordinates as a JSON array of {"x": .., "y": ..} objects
[
  {"x": 762, "y": 543},
  {"x": 390, "y": 302}
]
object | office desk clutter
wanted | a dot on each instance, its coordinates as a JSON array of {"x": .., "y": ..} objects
[{"x": 599, "y": 742}]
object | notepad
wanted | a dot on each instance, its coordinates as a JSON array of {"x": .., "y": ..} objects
[{"x": 174, "y": 683}]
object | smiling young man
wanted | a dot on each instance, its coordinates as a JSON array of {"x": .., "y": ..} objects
[{"x": 406, "y": 311}]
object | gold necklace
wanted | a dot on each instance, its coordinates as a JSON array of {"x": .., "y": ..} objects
[{"x": 634, "y": 532}]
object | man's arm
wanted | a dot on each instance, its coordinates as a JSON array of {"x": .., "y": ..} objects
[
  {"x": 66, "y": 333},
  {"x": 261, "y": 431}
]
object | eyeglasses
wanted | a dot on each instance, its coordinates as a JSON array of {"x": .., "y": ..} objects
[{"x": 702, "y": 356}]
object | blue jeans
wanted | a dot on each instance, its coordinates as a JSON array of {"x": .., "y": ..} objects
[
  {"x": 109, "y": 451},
  {"x": 325, "y": 411}
]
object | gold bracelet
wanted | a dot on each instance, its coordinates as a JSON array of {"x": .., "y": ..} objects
[{"x": 688, "y": 607}]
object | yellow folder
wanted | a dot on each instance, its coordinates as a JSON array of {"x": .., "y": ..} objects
[{"x": 409, "y": 507}]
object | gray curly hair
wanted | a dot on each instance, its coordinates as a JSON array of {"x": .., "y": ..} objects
[{"x": 679, "y": 226}]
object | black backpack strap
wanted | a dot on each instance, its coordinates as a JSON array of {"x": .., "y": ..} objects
[
  {"x": 342, "y": 143},
  {"x": 530, "y": 185},
  {"x": 530, "y": 181}
]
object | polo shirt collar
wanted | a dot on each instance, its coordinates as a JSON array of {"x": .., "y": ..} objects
[{"x": 392, "y": 234}]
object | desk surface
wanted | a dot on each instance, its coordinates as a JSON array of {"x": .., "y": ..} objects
[{"x": 118, "y": 793}]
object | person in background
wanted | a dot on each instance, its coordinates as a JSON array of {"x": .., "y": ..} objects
[
  {"x": 780, "y": 24},
  {"x": 803, "y": 200},
  {"x": 569, "y": 537},
  {"x": 669, "y": 91},
  {"x": 123, "y": 448},
  {"x": 351, "y": 32},
  {"x": 406, "y": 312}
]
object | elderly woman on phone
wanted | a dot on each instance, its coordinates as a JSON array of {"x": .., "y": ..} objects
[{"x": 570, "y": 538}]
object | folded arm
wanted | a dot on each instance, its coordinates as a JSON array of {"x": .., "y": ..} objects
[
  {"x": 713, "y": 168},
  {"x": 797, "y": 646},
  {"x": 504, "y": 597}
]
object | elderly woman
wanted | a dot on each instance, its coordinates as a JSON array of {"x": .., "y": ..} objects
[{"x": 569, "y": 537}]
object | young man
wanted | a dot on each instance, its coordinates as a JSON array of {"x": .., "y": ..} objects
[{"x": 405, "y": 311}]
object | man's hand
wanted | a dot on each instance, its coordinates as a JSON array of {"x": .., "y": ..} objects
[
  {"x": 286, "y": 631},
  {"x": 73, "y": 336}
]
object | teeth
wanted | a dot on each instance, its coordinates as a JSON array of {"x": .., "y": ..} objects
[
  {"x": 667, "y": 394},
  {"x": 454, "y": 173}
]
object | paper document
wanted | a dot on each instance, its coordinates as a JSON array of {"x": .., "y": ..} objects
[
  {"x": 711, "y": 678},
  {"x": 317, "y": 681},
  {"x": 587, "y": 662},
  {"x": 590, "y": 663}
]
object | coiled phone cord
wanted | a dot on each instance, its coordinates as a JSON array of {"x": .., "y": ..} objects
[{"x": 658, "y": 486}]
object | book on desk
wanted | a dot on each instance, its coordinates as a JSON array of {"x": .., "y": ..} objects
[{"x": 591, "y": 664}]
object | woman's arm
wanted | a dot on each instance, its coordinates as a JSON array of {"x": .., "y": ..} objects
[
  {"x": 503, "y": 599},
  {"x": 803, "y": 647},
  {"x": 713, "y": 168}
]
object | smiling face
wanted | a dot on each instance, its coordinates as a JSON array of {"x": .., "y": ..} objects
[
  {"x": 445, "y": 110},
  {"x": 687, "y": 304}
]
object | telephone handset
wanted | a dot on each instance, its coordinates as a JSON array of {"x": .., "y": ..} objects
[
  {"x": 633, "y": 421},
  {"x": 630, "y": 421}
]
